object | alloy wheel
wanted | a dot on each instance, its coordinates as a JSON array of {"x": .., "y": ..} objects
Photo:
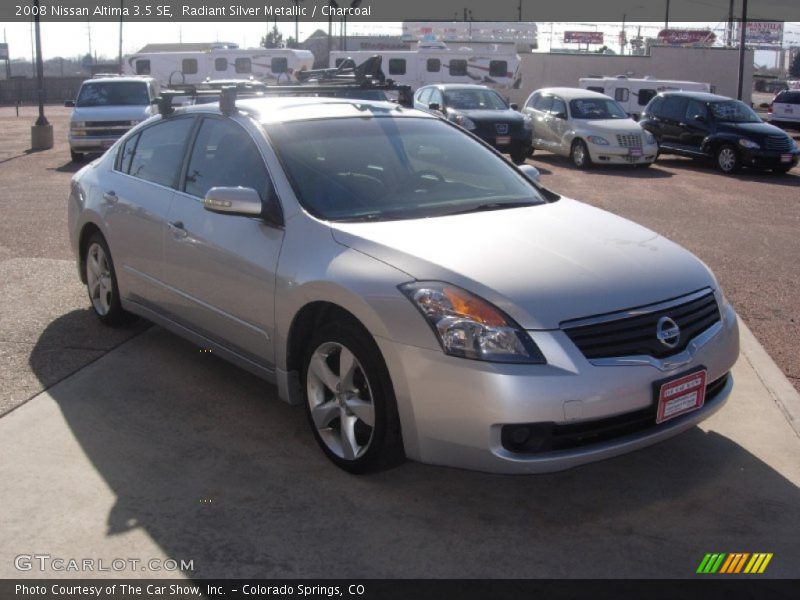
[
  {"x": 98, "y": 279},
  {"x": 726, "y": 159}
]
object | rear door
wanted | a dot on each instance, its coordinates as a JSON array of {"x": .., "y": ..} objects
[
  {"x": 221, "y": 268},
  {"x": 672, "y": 113},
  {"x": 558, "y": 124},
  {"x": 695, "y": 126},
  {"x": 540, "y": 113}
]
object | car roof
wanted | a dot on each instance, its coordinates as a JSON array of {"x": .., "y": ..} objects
[
  {"x": 571, "y": 93},
  {"x": 282, "y": 109},
  {"x": 702, "y": 96},
  {"x": 118, "y": 79},
  {"x": 457, "y": 86}
]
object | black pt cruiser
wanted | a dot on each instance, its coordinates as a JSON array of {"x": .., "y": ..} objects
[{"x": 701, "y": 125}]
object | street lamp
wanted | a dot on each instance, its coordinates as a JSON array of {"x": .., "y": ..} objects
[
  {"x": 42, "y": 131},
  {"x": 297, "y": 23}
]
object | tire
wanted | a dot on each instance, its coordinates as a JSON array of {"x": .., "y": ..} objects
[
  {"x": 727, "y": 159},
  {"x": 579, "y": 154},
  {"x": 101, "y": 283},
  {"x": 531, "y": 150},
  {"x": 363, "y": 394},
  {"x": 520, "y": 155},
  {"x": 783, "y": 170},
  {"x": 76, "y": 156}
]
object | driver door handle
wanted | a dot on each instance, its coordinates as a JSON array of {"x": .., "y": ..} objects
[
  {"x": 111, "y": 197},
  {"x": 177, "y": 229}
]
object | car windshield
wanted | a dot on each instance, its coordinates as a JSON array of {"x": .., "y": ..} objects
[
  {"x": 467, "y": 99},
  {"x": 384, "y": 168},
  {"x": 733, "y": 111},
  {"x": 596, "y": 108},
  {"x": 117, "y": 93}
]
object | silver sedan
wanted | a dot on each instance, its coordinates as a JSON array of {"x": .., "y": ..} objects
[{"x": 417, "y": 293}]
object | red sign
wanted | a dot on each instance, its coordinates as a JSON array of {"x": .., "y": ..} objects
[
  {"x": 583, "y": 37},
  {"x": 679, "y": 37}
]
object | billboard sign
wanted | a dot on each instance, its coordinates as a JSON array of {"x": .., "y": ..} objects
[
  {"x": 764, "y": 34},
  {"x": 583, "y": 37},
  {"x": 686, "y": 37}
]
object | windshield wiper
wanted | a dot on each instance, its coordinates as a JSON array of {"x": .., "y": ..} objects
[{"x": 492, "y": 206}]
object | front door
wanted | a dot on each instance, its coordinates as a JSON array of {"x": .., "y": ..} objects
[{"x": 221, "y": 268}]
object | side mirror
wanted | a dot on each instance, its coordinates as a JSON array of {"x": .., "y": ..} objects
[
  {"x": 530, "y": 172},
  {"x": 242, "y": 202},
  {"x": 69, "y": 103},
  {"x": 560, "y": 115},
  {"x": 514, "y": 106},
  {"x": 434, "y": 106},
  {"x": 699, "y": 118}
]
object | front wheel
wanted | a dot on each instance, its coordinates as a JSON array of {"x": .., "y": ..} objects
[
  {"x": 727, "y": 158},
  {"x": 350, "y": 400},
  {"x": 580, "y": 155},
  {"x": 519, "y": 155}
]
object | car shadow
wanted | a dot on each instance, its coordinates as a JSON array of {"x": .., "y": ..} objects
[
  {"x": 652, "y": 172},
  {"x": 212, "y": 466},
  {"x": 69, "y": 167},
  {"x": 791, "y": 179}
]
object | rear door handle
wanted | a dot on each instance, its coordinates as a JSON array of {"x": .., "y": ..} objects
[
  {"x": 177, "y": 229},
  {"x": 111, "y": 197}
]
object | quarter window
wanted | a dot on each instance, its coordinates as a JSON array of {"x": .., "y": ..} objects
[
  {"x": 397, "y": 66},
  {"x": 242, "y": 65},
  {"x": 434, "y": 65},
  {"x": 424, "y": 96},
  {"x": 159, "y": 153},
  {"x": 143, "y": 67},
  {"x": 458, "y": 67},
  {"x": 189, "y": 66},
  {"x": 543, "y": 103},
  {"x": 126, "y": 154},
  {"x": 532, "y": 100},
  {"x": 224, "y": 155},
  {"x": 498, "y": 68},
  {"x": 220, "y": 64}
]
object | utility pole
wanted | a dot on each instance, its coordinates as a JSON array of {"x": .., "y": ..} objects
[
  {"x": 666, "y": 17},
  {"x": 519, "y": 11},
  {"x": 742, "y": 49},
  {"x": 121, "y": 10},
  {"x": 42, "y": 130},
  {"x": 729, "y": 30}
]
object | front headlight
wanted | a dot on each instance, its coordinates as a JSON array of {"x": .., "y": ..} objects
[
  {"x": 463, "y": 121},
  {"x": 596, "y": 139},
  {"x": 469, "y": 327},
  {"x": 745, "y": 143},
  {"x": 649, "y": 138}
]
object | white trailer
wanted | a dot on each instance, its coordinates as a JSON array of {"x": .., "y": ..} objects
[
  {"x": 634, "y": 94},
  {"x": 275, "y": 65},
  {"x": 434, "y": 62}
]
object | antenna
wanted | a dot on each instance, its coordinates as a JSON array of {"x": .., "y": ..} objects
[{"x": 227, "y": 100}]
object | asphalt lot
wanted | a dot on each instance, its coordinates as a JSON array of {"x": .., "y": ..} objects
[{"x": 128, "y": 450}]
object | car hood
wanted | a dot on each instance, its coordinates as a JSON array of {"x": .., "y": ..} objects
[
  {"x": 755, "y": 129},
  {"x": 609, "y": 126},
  {"x": 111, "y": 113},
  {"x": 542, "y": 264},
  {"x": 501, "y": 116}
]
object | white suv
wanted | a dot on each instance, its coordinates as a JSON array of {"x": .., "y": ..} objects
[
  {"x": 785, "y": 108},
  {"x": 105, "y": 109}
]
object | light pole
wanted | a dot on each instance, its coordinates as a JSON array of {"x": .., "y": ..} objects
[
  {"x": 742, "y": 49},
  {"x": 42, "y": 130},
  {"x": 297, "y": 23},
  {"x": 121, "y": 10}
]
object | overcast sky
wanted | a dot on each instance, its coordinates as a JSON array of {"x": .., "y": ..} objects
[{"x": 72, "y": 39}]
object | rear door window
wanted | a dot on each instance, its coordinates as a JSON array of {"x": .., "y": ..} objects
[
  {"x": 674, "y": 108},
  {"x": 559, "y": 107},
  {"x": 159, "y": 154}
]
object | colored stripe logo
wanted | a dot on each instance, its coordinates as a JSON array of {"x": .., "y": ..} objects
[{"x": 734, "y": 563}]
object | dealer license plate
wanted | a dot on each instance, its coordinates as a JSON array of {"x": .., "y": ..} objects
[
  {"x": 680, "y": 396},
  {"x": 788, "y": 110},
  {"x": 786, "y": 158},
  {"x": 107, "y": 143},
  {"x": 503, "y": 140},
  {"x": 635, "y": 151}
]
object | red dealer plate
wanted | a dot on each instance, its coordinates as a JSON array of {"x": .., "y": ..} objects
[
  {"x": 680, "y": 396},
  {"x": 786, "y": 158},
  {"x": 503, "y": 140}
]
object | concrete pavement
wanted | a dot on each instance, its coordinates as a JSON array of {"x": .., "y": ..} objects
[{"x": 157, "y": 450}]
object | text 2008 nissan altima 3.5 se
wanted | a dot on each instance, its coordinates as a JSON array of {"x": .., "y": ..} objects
[{"x": 417, "y": 293}]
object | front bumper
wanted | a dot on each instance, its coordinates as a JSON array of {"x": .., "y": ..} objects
[
  {"x": 453, "y": 410},
  {"x": 767, "y": 159},
  {"x": 86, "y": 143},
  {"x": 513, "y": 143},
  {"x": 617, "y": 155}
]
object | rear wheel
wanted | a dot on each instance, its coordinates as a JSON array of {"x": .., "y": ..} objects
[
  {"x": 101, "y": 283},
  {"x": 580, "y": 155},
  {"x": 350, "y": 400},
  {"x": 727, "y": 158}
]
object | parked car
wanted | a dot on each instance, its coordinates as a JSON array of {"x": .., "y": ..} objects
[
  {"x": 709, "y": 126},
  {"x": 785, "y": 108},
  {"x": 418, "y": 293},
  {"x": 483, "y": 112},
  {"x": 588, "y": 127},
  {"x": 106, "y": 108}
]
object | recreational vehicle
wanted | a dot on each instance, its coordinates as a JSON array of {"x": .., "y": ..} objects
[
  {"x": 275, "y": 65},
  {"x": 434, "y": 62},
  {"x": 634, "y": 94}
]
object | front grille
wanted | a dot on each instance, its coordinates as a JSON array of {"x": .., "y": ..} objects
[
  {"x": 629, "y": 141},
  {"x": 636, "y": 335},
  {"x": 108, "y": 123},
  {"x": 778, "y": 143},
  {"x": 115, "y": 133},
  {"x": 549, "y": 437}
]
